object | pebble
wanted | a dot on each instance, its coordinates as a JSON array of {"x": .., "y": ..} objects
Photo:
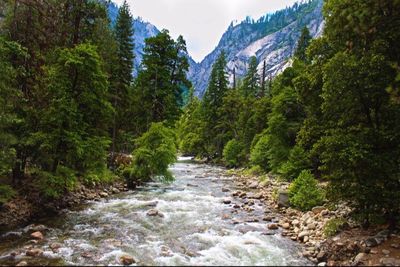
[
  {"x": 227, "y": 201},
  {"x": 385, "y": 251}
]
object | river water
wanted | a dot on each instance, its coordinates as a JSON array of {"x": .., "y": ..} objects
[{"x": 197, "y": 228}]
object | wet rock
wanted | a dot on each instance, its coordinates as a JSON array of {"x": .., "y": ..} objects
[
  {"x": 273, "y": 226},
  {"x": 34, "y": 252},
  {"x": 268, "y": 218},
  {"x": 116, "y": 190},
  {"x": 225, "y": 217},
  {"x": 86, "y": 255},
  {"x": 286, "y": 226},
  {"x": 371, "y": 242},
  {"x": 227, "y": 201},
  {"x": 283, "y": 198},
  {"x": 225, "y": 190},
  {"x": 33, "y": 241},
  {"x": 55, "y": 246},
  {"x": 151, "y": 204},
  {"x": 359, "y": 258},
  {"x": 192, "y": 185},
  {"x": 236, "y": 206},
  {"x": 389, "y": 262},
  {"x": 247, "y": 228},
  {"x": 154, "y": 212},
  {"x": 253, "y": 185},
  {"x": 322, "y": 264},
  {"x": 22, "y": 263},
  {"x": 127, "y": 260},
  {"x": 103, "y": 194},
  {"x": 37, "y": 235}
]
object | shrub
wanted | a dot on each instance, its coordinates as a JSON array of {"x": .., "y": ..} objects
[
  {"x": 304, "y": 192},
  {"x": 156, "y": 150},
  {"x": 6, "y": 193},
  {"x": 54, "y": 185},
  {"x": 259, "y": 153},
  {"x": 333, "y": 226},
  {"x": 104, "y": 176},
  {"x": 233, "y": 153},
  {"x": 297, "y": 162}
]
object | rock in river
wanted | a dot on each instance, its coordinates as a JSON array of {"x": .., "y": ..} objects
[{"x": 127, "y": 260}]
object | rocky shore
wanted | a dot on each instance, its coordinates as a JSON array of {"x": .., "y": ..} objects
[
  {"x": 351, "y": 246},
  {"x": 28, "y": 206}
]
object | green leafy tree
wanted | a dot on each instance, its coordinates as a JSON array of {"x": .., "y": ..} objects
[
  {"x": 233, "y": 153},
  {"x": 155, "y": 151}
]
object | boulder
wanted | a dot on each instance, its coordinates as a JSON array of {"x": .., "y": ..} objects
[
  {"x": 283, "y": 198},
  {"x": 286, "y": 226},
  {"x": 34, "y": 252},
  {"x": 225, "y": 190},
  {"x": 37, "y": 235},
  {"x": 227, "y": 201},
  {"x": 103, "y": 194},
  {"x": 154, "y": 212},
  {"x": 127, "y": 260},
  {"x": 253, "y": 185},
  {"x": 272, "y": 226}
]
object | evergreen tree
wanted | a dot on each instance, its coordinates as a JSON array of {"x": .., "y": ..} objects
[
  {"x": 213, "y": 100},
  {"x": 302, "y": 44},
  {"x": 251, "y": 82},
  {"x": 161, "y": 80},
  {"x": 121, "y": 90}
]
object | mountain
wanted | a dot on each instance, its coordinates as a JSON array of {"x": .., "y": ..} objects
[{"x": 272, "y": 39}]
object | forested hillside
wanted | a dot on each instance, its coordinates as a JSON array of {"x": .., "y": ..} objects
[{"x": 332, "y": 116}]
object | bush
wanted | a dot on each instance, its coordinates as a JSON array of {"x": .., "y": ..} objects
[
  {"x": 104, "y": 176},
  {"x": 304, "y": 192},
  {"x": 156, "y": 150},
  {"x": 297, "y": 162},
  {"x": 333, "y": 226},
  {"x": 233, "y": 153},
  {"x": 259, "y": 153},
  {"x": 55, "y": 185},
  {"x": 6, "y": 193}
]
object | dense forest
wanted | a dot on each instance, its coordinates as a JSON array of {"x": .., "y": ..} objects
[
  {"x": 69, "y": 103},
  {"x": 332, "y": 116},
  {"x": 69, "y": 106}
]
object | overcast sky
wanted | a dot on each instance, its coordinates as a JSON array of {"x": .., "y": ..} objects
[{"x": 201, "y": 22}]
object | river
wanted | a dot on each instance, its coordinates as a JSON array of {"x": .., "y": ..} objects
[{"x": 196, "y": 228}]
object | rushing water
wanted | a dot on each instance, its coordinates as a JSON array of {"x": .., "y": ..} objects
[{"x": 196, "y": 229}]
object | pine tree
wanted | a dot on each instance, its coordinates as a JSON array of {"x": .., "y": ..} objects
[
  {"x": 161, "y": 81},
  {"x": 302, "y": 44},
  {"x": 213, "y": 100},
  {"x": 121, "y": 90},
  {"x": 251, "y": 82}
]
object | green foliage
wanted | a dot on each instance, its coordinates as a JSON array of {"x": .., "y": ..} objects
[
  {"x": 297, "y": 162},
  {"x": 6, "y": 193},
  {"x": 333, "y": 226},
  {"x": 304, "y": 192},
  {"x": 259, "y": 153},
  {"x": 302, "y": 44},
  {"x": 161, "y": 81},
  {"x": 251, "y": 82},
  {"x": 233, "y": 153},
  {"x": 54, "y": 185},
  {"x": 155, "y": 151}
]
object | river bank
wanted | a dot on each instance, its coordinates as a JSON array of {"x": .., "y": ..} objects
[
  {"x": 350, "y": 246},
  {"x": 28, "y": 204}
]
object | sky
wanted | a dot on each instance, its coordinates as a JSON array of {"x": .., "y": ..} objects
[{"x": 201, "y": 22}]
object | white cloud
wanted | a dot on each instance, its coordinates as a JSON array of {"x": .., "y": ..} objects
[{"x": 201, "y": 22}]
